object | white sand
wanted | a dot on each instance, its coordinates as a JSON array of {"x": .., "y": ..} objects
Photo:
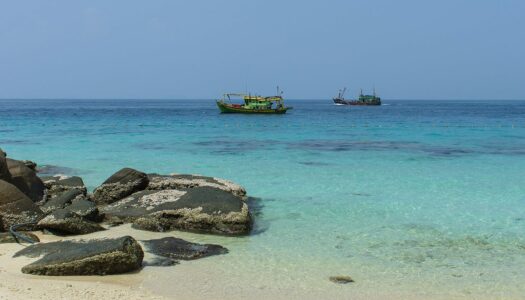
[{"x": 199, "y": 279}]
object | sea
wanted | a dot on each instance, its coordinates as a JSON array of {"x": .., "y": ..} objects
[{"x": 414, "y": 197}]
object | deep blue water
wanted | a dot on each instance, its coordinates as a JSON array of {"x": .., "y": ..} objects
[{"x": 411, "y": 188}]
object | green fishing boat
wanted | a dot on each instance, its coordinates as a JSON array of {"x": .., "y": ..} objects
[{"x": 253, "y": 104}]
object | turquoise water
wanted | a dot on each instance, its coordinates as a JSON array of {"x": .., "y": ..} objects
[{"x": 427, "y": 192}]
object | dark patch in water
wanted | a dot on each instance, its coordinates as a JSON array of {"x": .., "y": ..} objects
[
  {"x": 315, "y": 163},
  {"x": 50, "y": 170},
  {"x": 362, "y": 194},
  {"x": 256, "y": 206},
  {"x": 19, "y": 142},
  {"x": 232, "y": 147}
]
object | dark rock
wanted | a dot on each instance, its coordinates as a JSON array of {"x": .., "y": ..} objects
[
  {"x": 57, "y": 185},
  {"x": 6, "y": 237},
  {"x": 341, "y": 279},
  {"x": 85, "y": 209},
  {"x": 16, "y": 207},
  {"x": 30, "y": 164},
  {"x": 61, "y": 200},
  {"x": 93, "y": 257},
  {"x": 121, "y": 184},
  {"x": 4, "y": 170},
  {"x": 184, "y": 181},
  {"x": 64, "y": 222},
  {"x": 175, "y": 248},
  {"x": 25, "y": 180},
  {"x": 199, "y": 209}
]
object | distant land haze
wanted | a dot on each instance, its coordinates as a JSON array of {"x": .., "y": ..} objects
[{"x": 201, "y": 49}]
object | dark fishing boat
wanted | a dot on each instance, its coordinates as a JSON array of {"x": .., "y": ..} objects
[
  {"x": 253, "y": 104},
  {"x": 361, "y": 100}
]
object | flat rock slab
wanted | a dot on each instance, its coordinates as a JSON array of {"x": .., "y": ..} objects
[
  {"x": 199, "y": 209},
  {"x": 119, "y": 185},
  {"x": 184, "y": 181},
  {"x": 61, "y": 200},
  {"x": 59, "y": 184},
  {"x": 176, "y": 249},
  {"x": 6, "y": 237},
  {"x": 92, "y": 257},
  {"x": 65, "y": 222}
]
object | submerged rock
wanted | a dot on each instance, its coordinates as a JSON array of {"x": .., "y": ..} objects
[
  {"x": 341, "y": 279},
  {"x": 183, "y": 181},
  {"x": 121, "y": 184},
  {"x": 6, "y": 237},
  {"x": 25, "y": 180},
  {"x": 175, "y": 248},
  {"x": 199, "y": 209},
  {"x": 16, "y": 207},
  {"x": 56, "y": 185},
  {"x": 64, "y": 222},
  {"x": 62, "y": 200},
  {"x": 93, "y": 257}
]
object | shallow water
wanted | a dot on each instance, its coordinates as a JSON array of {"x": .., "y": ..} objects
[{"x": 409, "y": 196}]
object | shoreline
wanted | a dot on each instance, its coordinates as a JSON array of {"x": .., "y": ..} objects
[{"x": 205, "y": 279}]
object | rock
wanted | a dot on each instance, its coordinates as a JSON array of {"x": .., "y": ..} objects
[
  {"x": 30, "y": 164},
  {"x": 121, "y": 184},
  {"x": 4, "y": 170},
  {"x": 180, "y": 181},
  {"x": 6, "y": 237},
  {"x": 85, "y": 209},
  {"x": 341, "y": 279},
  {"x": 175, "y": 248},
  {"x": 93, "y": 257},
  {"x": 199, "y": 209},
  {"x": 56, "y": 185},
  {"x": 16, "y": 207},
  {"x": 25, "y": 180},
  {"x": 64, "y": 222},
  {"x": 62, "y": 200}
]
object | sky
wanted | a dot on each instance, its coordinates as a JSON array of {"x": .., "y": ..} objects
[{"x": 200, "y": 49}]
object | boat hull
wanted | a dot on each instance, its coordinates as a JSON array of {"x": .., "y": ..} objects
[{"x": 239, "y": 109}]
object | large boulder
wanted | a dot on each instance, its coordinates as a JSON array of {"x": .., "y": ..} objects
[
  {"x": 66, "y": 222},
  {"x": 93, "y": 257},
  {"x": 199, "y": 209},
  {"x": 56, "y": 185},
  {"x": 121, "y": 184},
  {"x": 62, "y": 200},
  {"x": 175, "y": 248},
  {"x": 4, "y": 170},
  {"x": 25, "y": 180},
  {"x": 184, "y": 181},
  {"x": 16, "y": 207}
]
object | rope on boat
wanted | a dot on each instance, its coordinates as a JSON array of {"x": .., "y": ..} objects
[{"x": 19, "y": 236}]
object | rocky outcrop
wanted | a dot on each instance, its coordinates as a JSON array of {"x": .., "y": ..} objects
[
  {"x": 175, "y": 248},
  {"x": 200, "y": 209},
  {"x": 85, "y": 209},
  {"x": 16, "y": 207},
  {"x": 62, "y": 200},
  {"x": 6, "y": 237},
  {"x": 4, "y": 170},
  {"x": 56, "y": 185},
  {"x": 184, "y": 181},
  {"x": 66, "y": 222},
  {"x": 121, "y": 184},
  {"x": 25, "y": 180},
  {"x": 93, "y": 257}
]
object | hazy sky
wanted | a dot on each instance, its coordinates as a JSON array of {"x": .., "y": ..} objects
[{"x": 446, "y": 49}]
